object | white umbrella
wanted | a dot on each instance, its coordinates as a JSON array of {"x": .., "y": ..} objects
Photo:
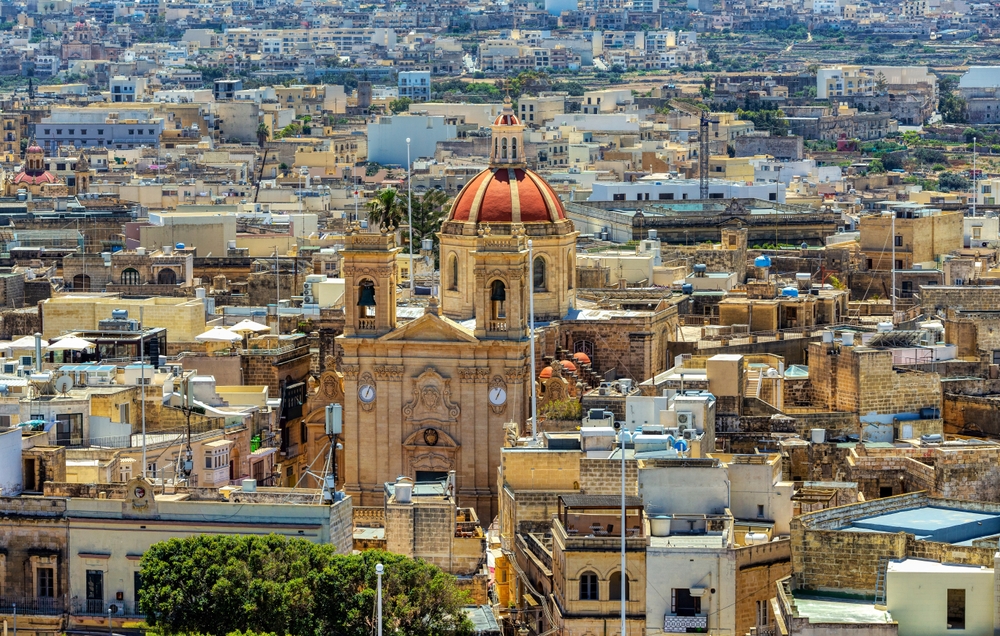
[
  {"x": 218, "y": 334},
  {"x": 71, "y": 343},
  {"x": 27, "y": 342},
  {"x": 244, "y": 326}
]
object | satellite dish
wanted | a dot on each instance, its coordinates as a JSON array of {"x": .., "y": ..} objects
[{"x": 64, "y": 384}]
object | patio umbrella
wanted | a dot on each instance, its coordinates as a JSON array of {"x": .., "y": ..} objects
[
  {"x": 70, "y": 343},
  {"x": 218, "y": 334},
  {"x": 27, "y": 342},
  {"x": 249, "y": 326}
]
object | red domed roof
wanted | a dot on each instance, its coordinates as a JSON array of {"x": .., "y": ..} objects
[
  {"x": 546, "y": 373},
  {"x": 507, "y": 195},
  {"x": 35, "y": 148},
  {"x": 506, "y": 118},
  {"x": 38, "y": 179},
  {"x": 567, "y": 365},
  {"x": 581, "y": 357}
]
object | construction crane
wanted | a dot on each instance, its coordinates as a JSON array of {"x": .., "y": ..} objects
[{"x": 704, "y": 119}]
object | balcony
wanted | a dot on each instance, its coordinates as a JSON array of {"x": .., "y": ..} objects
[
  {"x": 685, "y": 624},
  {"x": 92, "y": 607},
  {"x": 497, "y": 326},
  {"x": 31, "y": 606},
  {"x": 366, "y": 324}
]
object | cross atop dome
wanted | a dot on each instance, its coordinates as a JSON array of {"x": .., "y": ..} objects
[{"x": 508, "y": 139}]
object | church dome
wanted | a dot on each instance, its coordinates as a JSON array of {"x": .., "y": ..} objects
[
  {"x": 507, "y": 191},
  {"x": 507, "y": 195}
]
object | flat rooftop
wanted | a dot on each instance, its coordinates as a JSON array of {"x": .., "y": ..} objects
[
  {"x": 832, "y": 610},
  {"x": 933, "y": 523}
]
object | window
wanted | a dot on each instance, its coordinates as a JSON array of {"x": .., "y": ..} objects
[
  {"x": 123, "y": 413},
  {"x": 884, "y": 491},
  {"x": 956, "y": 609},
  {"x": 503, "y": 148},
  {"x": 136, "y": 587},
  {"x": 899, "y": 264},
  {"x": 666, "y": 196},
  {"x": 46, "y": 582},
  {"x": 539, "y": 273},
  {"x": 453, "y": 272},
  {"x": 588, "y": 587},
  {"x": 899, "y": 241},
  {"x": 570, "y": 271},
  {"x": 762, "y": 616},
  {"x": 498, "y": 299},
  {"x": 683, "y": 604},
  {"x": 513, "y": 148},
  {"x": 130, "y": 276},
  {"x": 615, "y": 587},
  {"x": 618, "y": 197},
  {"x": 69, "y": 429},
  {"x": 977, "y": 232},
  {"x": 208, "y": 461},
  {"x": 760, "y": 511},
  {"x": 151, "y": 470}
]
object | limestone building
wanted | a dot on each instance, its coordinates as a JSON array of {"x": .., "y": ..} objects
[{"x": 433, "y": 395}]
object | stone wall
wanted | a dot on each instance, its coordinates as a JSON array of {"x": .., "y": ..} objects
[
  {"x": 19, "y": 322},
  {"x": 940, "y": 298},
  {"x": 783, "y": 148},
  {"x": 604, "y": 477},
  {"x": 758, "y": 568},
  {"x": 33, "y": 528}
]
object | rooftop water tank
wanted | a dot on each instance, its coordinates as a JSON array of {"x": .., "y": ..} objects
[
  {"x": 883, "y": 327},
  {"x": 755, "y": 538},
  {"x": 828, "y": 337},
  {"x": 681, "y": 445},
  {"x": 817, "y": 435},
  {"x": 790, "y": 292},
  {"x": 403, "y": 489},
  {"x": 762, "y": 261},
  {"x": 700, "y": 269},
  {"x": 687, "y": 288},
  {"x": 179, "y": 246},
  {"x": 847, "y": 338},
  {"x": 119, "y": 314},
  {"x": 803, "y": 280}
]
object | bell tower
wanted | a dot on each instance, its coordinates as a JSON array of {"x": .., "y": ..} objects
[
  {"x": 34, "y": 160},
  {"x": 81, "y": 173},
  {"x": 370, "y": 278},
  {"x": 507, "y": 134}
]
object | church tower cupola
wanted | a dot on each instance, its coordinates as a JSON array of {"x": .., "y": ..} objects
[{"x": 508, "y": 139}]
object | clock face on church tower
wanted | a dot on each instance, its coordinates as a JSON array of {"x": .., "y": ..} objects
[
  {"x": 498, "y": 396},
  {"x": 366, "y": 393}
]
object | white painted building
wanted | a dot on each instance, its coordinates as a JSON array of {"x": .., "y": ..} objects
[
  {"x": 11, "y": 478},
  {"x": 387, "y": 137},
  {"x": 926, "y": 598},
  {"x": 664, "y": 188}
]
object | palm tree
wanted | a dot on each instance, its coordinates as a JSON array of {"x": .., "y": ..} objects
[
  {"x": 263, "y": 133},
  {"x": 386, "y": 209}
]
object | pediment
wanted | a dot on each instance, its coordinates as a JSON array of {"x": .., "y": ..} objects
[{"x": 431, "y": 328}]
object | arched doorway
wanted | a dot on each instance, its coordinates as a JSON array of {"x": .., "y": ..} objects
[
  {"x": 166, "y": 276},
  {"x": 81, "y": 282},
  {"x": 130, "y": 276}
]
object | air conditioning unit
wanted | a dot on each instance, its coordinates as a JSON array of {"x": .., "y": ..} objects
[
  {"x": 690, "y": 433},
  {"x": 9, "y": 368},
  {"x": 685, "y": 419},
  {"x": 308, "y": 299},
  {"x": 117, "y": 608}
]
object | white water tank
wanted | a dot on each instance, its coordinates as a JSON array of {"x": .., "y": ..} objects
[
  {"x": 828, "y": 337},
  {"x": 755, "y": 538},
  {"x": 249, "y": 485},
  {"x": 847, "y": 338},
  {"x": 817, "y": 435},
  {"x": 883, "y": 327},
  {"x": 404, "y": 490}
]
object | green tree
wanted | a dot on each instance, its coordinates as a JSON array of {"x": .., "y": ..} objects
[
  {"x": 265, "y": 585},
  {"x": 772, "y": 121},
  {"x": 875, "y": 167},
  {"x": 429, "y": 212},
  {"x": 400, "y": 105},
  {"x": 950, "y": 104},
  {"x": 387, "y": 209},
  {"x": 263, "y": 133},
  {"x": 952, "y": 181}
]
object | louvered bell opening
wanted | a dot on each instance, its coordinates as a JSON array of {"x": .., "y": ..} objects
[
  {"x": 499, "y": 292},
  {"x": 367, "y": 296}
]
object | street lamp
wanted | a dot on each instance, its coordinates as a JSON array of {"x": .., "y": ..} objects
[
  {"x": 378, "y": 572},
  {"x": 409, "y": 210}
]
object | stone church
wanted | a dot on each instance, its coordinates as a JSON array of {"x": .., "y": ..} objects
[{"x": 433, "y": 395}]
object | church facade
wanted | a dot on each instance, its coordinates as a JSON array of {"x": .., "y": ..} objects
[{"x": 434, "y": 395}]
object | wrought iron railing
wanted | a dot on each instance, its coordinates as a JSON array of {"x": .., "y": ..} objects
[{"x": 31, "y": 606}]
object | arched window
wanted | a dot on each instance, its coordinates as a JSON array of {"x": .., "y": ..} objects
[
  {"x": 538, "y": 274},
  {"x": 588, "y": 587},
  {"x": 503, "y": 148},
  {"x": 166, "y": 276},
  {"x": 453, "y": 272},
  {"x": 496, "y": 146},
  {"x": 130, "y": 276},
  {"x": 615, "y": 587},
  {"x": 498, "y": 299},
  {"x": 366, "y": 298},
  {"x": 513, "y": 148}
]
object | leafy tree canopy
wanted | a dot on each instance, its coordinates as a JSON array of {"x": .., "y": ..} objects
[{"x": 266, "y": 585}]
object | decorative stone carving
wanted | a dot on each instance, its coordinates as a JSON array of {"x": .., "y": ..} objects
[
  {"x": 350, "y": 371},
  {"x": 510, "y": 434},
  {"x": 475, "y": 374},
  {"x": 431, "y": 401},
  {"x": 390, "y": 372},
  {"x": 514, "y": 375},
  {"x": 331, "y": 385}
]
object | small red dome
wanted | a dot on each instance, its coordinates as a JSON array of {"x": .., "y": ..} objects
[
  {"x": 39, "y": 179},
  {"x": 581, "y": 357},
  {"x": 507, "y": 195},
  {"x": 506, "y": 119},
  {"x": 546, "y": 373},
  {"x": 34, "y": 148},
  {"x": 567, "y": 365}
]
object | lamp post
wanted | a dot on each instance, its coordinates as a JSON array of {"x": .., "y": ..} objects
[
  {"x": 378, "y": 572},
  {"x": 531, "y": 339},
  {"x": 409, "y": 210},
  {"x": 624, "y": 577},
  {"x": 975, "y": 188}
]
